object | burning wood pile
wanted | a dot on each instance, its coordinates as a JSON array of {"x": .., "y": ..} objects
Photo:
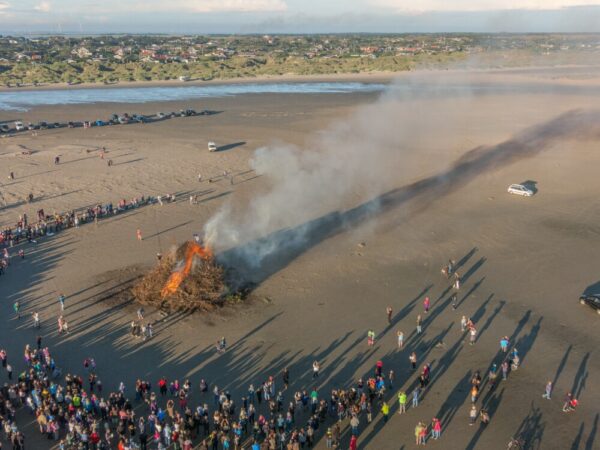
[{"x": 188, "y": 279}]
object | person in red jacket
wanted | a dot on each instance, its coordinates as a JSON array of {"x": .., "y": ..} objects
[
  {"x": 94, "y": 439},
  {"x": 353, "y": 442}
]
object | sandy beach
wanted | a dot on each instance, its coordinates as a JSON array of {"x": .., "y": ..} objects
[{"x": 436, "y": 163}]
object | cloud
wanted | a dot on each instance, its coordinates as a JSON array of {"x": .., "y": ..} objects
[
  {"x": 207, "y": 6},
  {"x": 415, "y": 6},
  {"x": 3, "y": 6},
  {"x": 236, "y": 5},
  {"x": 43, "y": 7}
]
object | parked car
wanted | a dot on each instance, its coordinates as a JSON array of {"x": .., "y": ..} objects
[
  {"x": 212, "y": 147},
  {"x": 190, "y": 112},
  {"x": 54, "y": 125},
  {"x": 114, "y": 119},
  {"x": 592, "y": 300},
  {"x": 4, "y": 129},
  {"x": 31, "y": 126},
  {"x": 160, "y": 115},
  {"x": 43, "y": 125},
  {"x": 19, "y": 126},
  {"x": 139, "y": 118},
  {"x": 519, "y": 189},
  {"x": 100, "y": 123},
  {"x": 123, "y": 120},
  {"x": 71, "y": 124}
]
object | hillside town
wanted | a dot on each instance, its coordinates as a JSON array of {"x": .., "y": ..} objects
[{"x": 69, "y": 59}]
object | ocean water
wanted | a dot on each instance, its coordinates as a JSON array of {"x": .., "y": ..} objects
[{"x": 24, "y": 100}]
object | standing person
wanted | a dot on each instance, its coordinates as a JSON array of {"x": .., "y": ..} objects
[
  {"x": 9, "y": 371},
  {"x": 138, "y": 234},
  {"x": 423, "y": 434},
  {"x": 473, "y": 414},
  {"x": 472, "y": 335},
  {"x": 418, "y": 431},
  {"x": 548, "y": 390},
  {"x": 419, "y": 328},
  {"x": 567, "y": 401},
  {"x": 436, "y": 428},
  {"x": 370, "y": 338},
  {"x": 316, "y": 367},
  {"x": 140, "y": 313},
  {"x": 36, "y": 319},
  {"x": 199, "y": 178},
  {"x": 17, "y": 309},
  {"x": 353, "y": 442},
  {"x": 504, "y": 344},
  {"x": 456, "y": 282},
  {"x": 400, "y": 339},
  {"x": 454, "y": 301},
  {"x": 402, "y": 402},
  {"x": 415, "y": 397},
  {"x": 484, "y": 417},
  {"x": 61, "y": 300},
  {"x": 286, "y": 378},
  {"x": 463, "y": 324},
  {"x": 413, "y": 360},
  {"x": 389, "y": 311},
  {"x": 504, "y": 368},
  {"x": 385, "y": 410},
  {"x": 391, "y": 378},
  {"x": 426, "y": 304}
]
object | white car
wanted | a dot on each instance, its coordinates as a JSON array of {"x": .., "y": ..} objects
[
  {"x": 212, "y": 147},
  {"x": 161, "y": 115},
  {"x": 19, "y": 126},
  {"x": 519, "y": 189}
]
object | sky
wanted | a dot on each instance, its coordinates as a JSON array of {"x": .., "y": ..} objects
[{"x": 297, "y": 16}]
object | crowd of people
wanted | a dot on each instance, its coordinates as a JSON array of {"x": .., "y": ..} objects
[
  {"x": 50, "y": 224},
  {"x": 74, "y": 412}
]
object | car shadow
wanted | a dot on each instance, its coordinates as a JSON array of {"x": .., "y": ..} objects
[
  {"x": 224, "y": 148},
  {"x": 531, "y": 185}
]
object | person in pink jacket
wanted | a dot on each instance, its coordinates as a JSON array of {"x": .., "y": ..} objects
[
  {"x": 426, "y": 304},
  {"x": 353, "y": 442},
  {"x": 436, "y": 428}
]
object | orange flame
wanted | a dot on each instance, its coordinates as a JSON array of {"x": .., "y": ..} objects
[{"x": 177, "y": 278}]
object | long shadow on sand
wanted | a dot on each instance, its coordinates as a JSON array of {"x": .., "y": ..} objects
[{"x": 257, "y": 260}]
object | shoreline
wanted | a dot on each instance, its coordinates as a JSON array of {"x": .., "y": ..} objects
[
  {"x": 365, "y": 77},
  {"x": 362, "y": 77}
]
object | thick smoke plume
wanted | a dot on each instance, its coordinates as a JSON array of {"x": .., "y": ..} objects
[
  {"x": 348, "y": 163},
  {"x": 357, "y": 162}
]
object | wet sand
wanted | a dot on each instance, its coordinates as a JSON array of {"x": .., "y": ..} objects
[{"x": 524, "y": 261}]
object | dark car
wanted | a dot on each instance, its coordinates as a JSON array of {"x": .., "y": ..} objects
[
  {"x": 592, "y": 300},
  {"x": 43, "y": 125},
  {"x": 4, "y": 129}
]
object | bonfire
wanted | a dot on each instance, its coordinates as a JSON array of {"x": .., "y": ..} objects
[{"x": 188, "y": 279}]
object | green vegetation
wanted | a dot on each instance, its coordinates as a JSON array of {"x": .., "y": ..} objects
[{"x": 109, "y": 59}]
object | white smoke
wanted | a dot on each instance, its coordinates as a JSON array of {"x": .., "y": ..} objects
[{"x": 350, "y": 162}]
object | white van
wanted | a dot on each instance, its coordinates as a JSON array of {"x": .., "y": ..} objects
[
  {"x": 19, "y": 126},
  {"x": 212, "y": 147}
]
